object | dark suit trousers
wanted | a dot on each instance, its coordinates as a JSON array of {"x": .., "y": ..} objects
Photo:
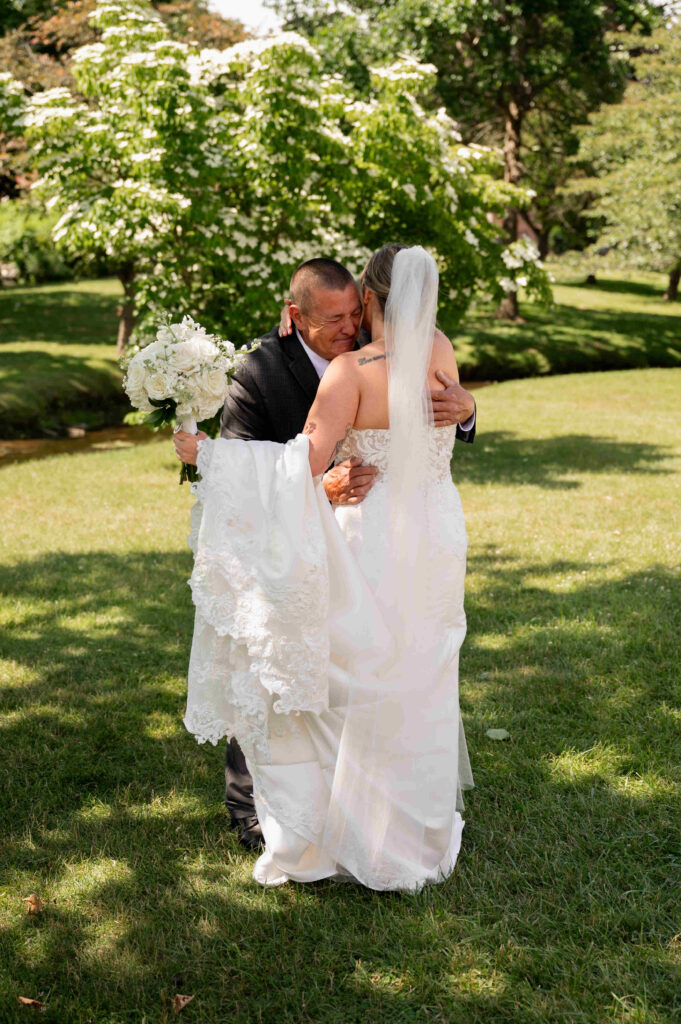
[{"x": 238, "y": 783}]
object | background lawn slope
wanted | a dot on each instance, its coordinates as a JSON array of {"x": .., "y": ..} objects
[
  {"x": 58, "y": 362},
  {"x": 621, "y": 322}
]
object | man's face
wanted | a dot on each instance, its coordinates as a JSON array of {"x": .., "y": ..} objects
[{"x": 331, "y": 325}]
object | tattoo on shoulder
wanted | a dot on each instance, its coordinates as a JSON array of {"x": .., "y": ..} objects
[
  {"x": 310, "y": 427},
  {"x": 372, "y": 359}
]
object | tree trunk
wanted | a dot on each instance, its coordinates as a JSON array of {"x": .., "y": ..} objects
[
  {"x": 508, "y": 308},
  {"x": 126, "y": 310},
  {"x": 513, "y": 171},
  {"x": 672, "y": 293}
]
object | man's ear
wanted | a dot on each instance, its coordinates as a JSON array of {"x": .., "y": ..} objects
[{"x": 296, "y": 315}]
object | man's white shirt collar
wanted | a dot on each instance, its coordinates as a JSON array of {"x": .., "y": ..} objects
[{"x": 319, "y": 362}]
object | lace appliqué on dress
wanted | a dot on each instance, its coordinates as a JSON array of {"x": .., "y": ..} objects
[{"x": 260, "y": 587}]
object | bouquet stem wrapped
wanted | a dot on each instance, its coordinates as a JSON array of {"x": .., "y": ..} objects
[{"x": 190, "y": 426}]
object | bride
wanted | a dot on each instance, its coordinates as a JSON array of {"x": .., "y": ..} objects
[{"x": 327, "y": 640}]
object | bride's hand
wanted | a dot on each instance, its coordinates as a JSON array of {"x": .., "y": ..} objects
[
  {"x": 285, "y": 325},
  {"x": 186, "y": 446}
]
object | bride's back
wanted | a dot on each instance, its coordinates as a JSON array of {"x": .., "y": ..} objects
[{"x": 368, "y": 366}]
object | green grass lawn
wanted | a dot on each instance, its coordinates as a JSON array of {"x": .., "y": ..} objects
[
  {"x": 58, "y": 358},
  {"x": 58, "y": 366},
  {"x": 564, "y": 905}
]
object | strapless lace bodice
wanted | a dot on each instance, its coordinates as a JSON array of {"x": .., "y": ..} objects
[
  {"x": 372, "y": 447},
  {"x": 363, "y": 525}
]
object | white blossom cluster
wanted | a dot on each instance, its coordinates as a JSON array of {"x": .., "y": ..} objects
[
  {"x": 520, "y": 252},
  {"x": 405, "y": 70},
  {"x": 522, "y": 255},
  {"x": 184, "y": 364},
  {"x": 11, "y": 102}
]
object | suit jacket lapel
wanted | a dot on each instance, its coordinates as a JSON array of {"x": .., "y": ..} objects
[{"x": 300, "y": 366}]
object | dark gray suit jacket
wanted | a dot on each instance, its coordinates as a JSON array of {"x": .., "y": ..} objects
[{"x": 271, "y": 394}]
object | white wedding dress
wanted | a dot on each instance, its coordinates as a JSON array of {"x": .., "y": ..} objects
[{"x": 332, "y": 661}]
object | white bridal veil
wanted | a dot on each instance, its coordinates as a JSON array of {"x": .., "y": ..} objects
[{"x": 409, "y": 327}]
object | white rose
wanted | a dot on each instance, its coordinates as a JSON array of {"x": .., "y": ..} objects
[
  {"x": 191, "y": 355},
  {"x": 205, "y": 404},
  {"x": 214, "y": 382},
  {"x": 185, "y": 356},
  {"x": 165, "y": 336},
  {"x": 157, "y": 386},
  {"x": 138, "y": 399},
  {"x": 152, "y": 351},
  {"x": 136, "y": 376},
  {"x": 209, "y": 351}
]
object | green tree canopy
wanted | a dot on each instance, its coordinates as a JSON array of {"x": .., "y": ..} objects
[
  {"x": 517, "y": 73},
  {"x": 38, "y": 52},
  {"x": 634, "y": 148}
]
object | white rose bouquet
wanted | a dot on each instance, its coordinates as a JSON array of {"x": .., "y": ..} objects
[{"x": 183, "y": 376}]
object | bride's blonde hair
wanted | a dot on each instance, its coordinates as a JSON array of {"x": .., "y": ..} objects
[{"x": 378, "y": 272}]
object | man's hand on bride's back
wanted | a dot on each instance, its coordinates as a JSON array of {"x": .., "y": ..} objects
[
  {"x": 349, "y": 482},
  {"x": 453, "y": 404}
]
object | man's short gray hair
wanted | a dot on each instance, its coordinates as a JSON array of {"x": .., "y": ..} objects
[{"x": 314, "y": 274}]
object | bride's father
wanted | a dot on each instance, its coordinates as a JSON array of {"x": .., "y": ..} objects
[{"x": 269, "y": 399}]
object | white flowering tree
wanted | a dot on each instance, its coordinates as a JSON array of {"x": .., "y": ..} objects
[
  {"x": 207, "y": 176},
  {"x": 416, "y": 181}
]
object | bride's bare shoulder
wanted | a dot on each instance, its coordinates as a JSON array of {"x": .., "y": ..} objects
[
  {"x": 351, "y": 362},
  {"x": 341, "y": 368},
  {"x": 443, "y": 350}
]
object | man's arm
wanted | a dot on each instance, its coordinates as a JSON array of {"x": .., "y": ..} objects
[{"x": 466, "y": 432}]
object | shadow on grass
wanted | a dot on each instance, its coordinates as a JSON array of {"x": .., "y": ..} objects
[
  {"x": 567, "y": 339},
  {"x": 502, "y": 457},
  {"x": 561, "y": 896},
  {"x": 64, "y": 315}
]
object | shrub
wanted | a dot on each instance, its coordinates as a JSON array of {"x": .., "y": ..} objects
[{"x": 26, "y": 239}]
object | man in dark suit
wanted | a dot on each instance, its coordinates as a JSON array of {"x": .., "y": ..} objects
[{"x": 269, "y": 399}]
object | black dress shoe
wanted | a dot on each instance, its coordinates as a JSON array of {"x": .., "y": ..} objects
[{"x": 249, "y": 832}]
